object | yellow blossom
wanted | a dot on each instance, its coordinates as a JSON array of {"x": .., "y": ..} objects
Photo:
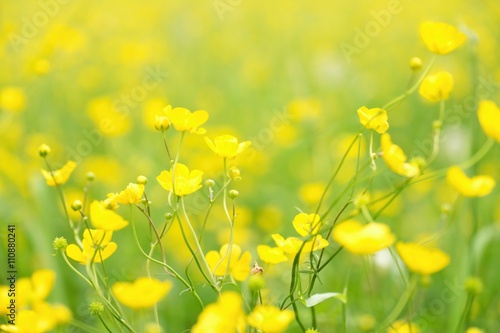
[
  {"x": 185, "y": 182},
  {"x": 422, "y": 260},
  {"x": 35, "y": 288},
  {"x": 185, "y": 120},
  {"x": 306, "y": 224},
  {"x": 292, "y": 245},
  {"x": 104, "y": 218},
  {"x": 489, "y": 118},
  {"x": 239, "y": 264},
  {"x": 311, "y": 193},
  {"x": 12, "y": 99},
  {"x": 61, "y": 176},
  {"x": 144, "y": 292},
  {"x": 97, "y": 246},
  {"x": 225, "y": 315},
  {"x": 227, "y": 146},
  {"x": 363, "y": 239},
  {"x": 108, "y": 117},
  {"x": 436, "y": 87},
  {"x": 441, "y": 38},
  {"x": 474, "y": 330},
  {"x": 403, "y": 326},
  {"x": 270, "y": 319},
  {"x": 131, "y": 195},
  {"x": 375, "y": 119},
  {"x": 477, "y": 186},
  {"x": 395, "y": 158},
  {"x": 28, "y": 321},
  {"x": 271, "y": 255}
]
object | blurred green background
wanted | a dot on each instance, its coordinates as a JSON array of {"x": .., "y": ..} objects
[{"x": 287, "y": 75}]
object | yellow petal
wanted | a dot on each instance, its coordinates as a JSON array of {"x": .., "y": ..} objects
[
  {"x": 488, "y": 114},
  {"x": 144, "y": 292},
  {"x": 441, "y": 38},
  {"x": 105, "y": 219},
  {"x": 422, "y": 260},
  {"x": 478, "y": 186},
  {"x": 363, "y": 239},
  {"x": 436, "y": 87},
  {"x": 271, "y": 255}
]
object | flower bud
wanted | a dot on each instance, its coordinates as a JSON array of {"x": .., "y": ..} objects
[
  {"x": 209, "y": 183},
  {"x": 90, "y": 176},
  {"x": 256, "y": 283},
  {"x": 142, "y": 180},
  {"x": 162, "y": 123},
  {"x": 415, "y": 63},
  {"x": 437, "y": 124},
  {"x": 76, "y": 205},
  {"x": 96, "y": 308},
  {"x": 474, "y": 286},
  {"x": 43, "y": 150},
  {"x": 60, "y": 244},
  {"x": 169, "y": 216},
  {"x": 233, "y": 194},
  {"x": 234, "y": 173}
]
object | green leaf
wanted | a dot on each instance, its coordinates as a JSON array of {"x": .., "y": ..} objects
[{"x": 318, "y": 298}]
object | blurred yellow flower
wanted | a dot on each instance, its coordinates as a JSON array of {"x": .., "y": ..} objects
[
  {"x": 422, "y": 260},
  {"x": 436, "y": 87},
  {"x": 292, "y": 245},
  {"x": 306, "y": 224},
  {"x": 270, "y": 319},
  {"x": 474, "y": 330},
  {"x": 12, "y": 99},
  {"x": 441, "y": 38},
  {"x": 97, "y": 246},
  {"x": 59, "y": 177},
  {"x": 111, "y": 117},
  {"x": 304, "y": 109},
  {"x": 312, "y": 330},
  {"x": 184, "y": 182},
  {"x": 375, "y": 119},
  {"x": 271, "y": 255},
  {"x": 403, "y": 326},
  {"x": 143, "y": 293},
  {"x": 239, "y": 264},
  {"x": 477, "y": 186},
  {"x": 225, "y": 315},
  {"x": 395, "y": 158},
  {"x": 36, "y": 288},
  {"x": 227, "y": 146},
  {"x": 311, "y": 193},
  {"x": 28, "y": 321},
  {"x": 185, "y": 120},
  {"x": 131, "y": 195},
  {"x": 489, "y": 118},
  {"x": 104, "y": 218},
  {"x": 363, "y": 239}
]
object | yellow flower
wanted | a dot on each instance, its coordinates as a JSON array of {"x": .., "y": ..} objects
[
  {"x": 489, "y": 118},
  {"x": 474, "y": 330},
  {"x": 227, "y": 146},
  {"x": 239, "y": 264},
  {"x": 28, "y": 321},
  {"x": 185, "y": 120},
  {"x": 395, "y": 158},
  {"x": 477, "y": 186},
  {"x": 104, "y": 218},
  {"x": 363, "y": 239},
  {"x": 441, "y": 38},
  {"x": 311, "y": 193},
  {"x": 375, "y": 119},
  {"x": 12, "y": 99},
  {"x": 144, "y": 292},
  {"x": 312, "y": 330},
  {"x": 61, "y": 176},
  {"x": 271, "y": 255},
  {"x": 185, "y": 182},
  {"x": 109, "y": 117},
  {"x": 403, "y": 326},
  {"x": 97, "y": 246},
  {"x": 436, "y": 87},
  {"x": 292, "y": 245},
  {"x": 270, "y": 319},
  {"x": 306, "y": 224},
  {"x": 225, "y": 315},
  {"x": 131, "y": 195},
  {"x": 422, "y": 260},
  {"x": 35, "y": 289}
]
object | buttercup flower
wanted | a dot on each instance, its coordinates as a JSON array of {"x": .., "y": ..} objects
[
  {"x": 12, "y": 99},
  {"x": 185, "y": 182},
  {"x": 422, "y": 260},
  {"x": 489, "y": 119},
  {"x": 185, "y": 120},
  {"x": 271, "y": 255},
  {"x": 61, "y": 176},
  {"x": 306, "y": 224},
  {"x": 131, "y": 195},
  {"x": 239, "y": 265},
  {"x": 477, "y": 186},
  {"x": 104, "y": 218},
  {"x": 474, "y": 330},
  {"x": 402, "y": 326},
  {"x": 270, "y": 319},
  {"x": 395, "y": 158},
  {"x": 441, "y": 38},
  {"x": 375, "y": 119},
  {"x": 225, "y": 315},
  {"x": 363, "y": 239},
  {"x": 292, "y": 245},
  {"x": 97, "y": 246},
  {"x": 436, "y": 87},
  {"x": 143, "y": 293},
  {"x": 227, "y": 146}
]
